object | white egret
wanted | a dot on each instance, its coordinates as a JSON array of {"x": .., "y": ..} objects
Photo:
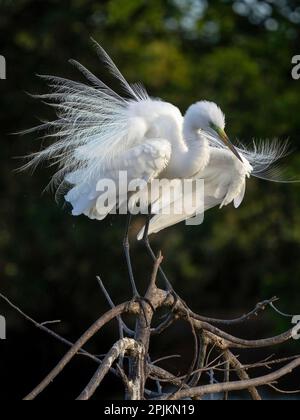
[{"x": 99, "y": 133}]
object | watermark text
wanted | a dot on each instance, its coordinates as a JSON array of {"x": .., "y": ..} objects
[
  {"x": 2, "y": 328},
  {"x": 296, "y": 68},
  {"x": 182, "y": 199},
  {"x": 2, "y": 67}
]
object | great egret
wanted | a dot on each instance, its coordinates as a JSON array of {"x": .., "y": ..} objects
[{"x": 99, "y": 133}]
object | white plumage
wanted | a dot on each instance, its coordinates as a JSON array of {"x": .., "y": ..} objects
[
  {"x": 98, "y": 133},
  {"x": 224, "y": 183}
]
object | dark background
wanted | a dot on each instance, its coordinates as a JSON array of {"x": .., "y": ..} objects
[{"x": 237, "y": 53}]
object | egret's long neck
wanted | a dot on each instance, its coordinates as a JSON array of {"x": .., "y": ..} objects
[{"x": 197, "y": 155}]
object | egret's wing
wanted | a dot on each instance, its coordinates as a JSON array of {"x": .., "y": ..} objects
[
  {"x": 224, "y": 183},
  {"x": 141, "y": 163},
  {"x": 225, "y": 177}
]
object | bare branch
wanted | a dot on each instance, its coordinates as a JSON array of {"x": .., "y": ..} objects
[
  {"x": 156, "y": 372},
  {"x": 109, "y": 316},
  {"x": 42, "y": 327},
  {"x": 206, "y": 333},
  {"x": 236, "y": 386},
  {"x": 204, "y": 343},
  {"x": 229, "y": 341},
  {"x": 269, "y": 363},
  {"x": 241, "y": 372},
  {"x": 260, "y": 307},
  {"x": 117, "y": 350}
]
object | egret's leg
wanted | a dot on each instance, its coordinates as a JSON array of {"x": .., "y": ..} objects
[
  {"x": 136, "y": 296},
  {"x": 152, "y": 253},
  {"x": 169, "y": 286},
  {"x": 126, "y": 246}
]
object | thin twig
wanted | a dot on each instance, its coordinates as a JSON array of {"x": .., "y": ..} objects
[
  {"x": 281, "y": 391},
  {"x": 42, "y": 327},
  {"x": 280, "y": 312},
  {"x": 122, "y": 326},
  {"x": 43, "y": 324},
  {"x": 164, "y": 325},
  {"x": 269, "y": 363},
  {"x": 161, "y": 359}
]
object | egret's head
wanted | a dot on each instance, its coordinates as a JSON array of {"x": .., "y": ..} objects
[{"x": 208, "y": 117}]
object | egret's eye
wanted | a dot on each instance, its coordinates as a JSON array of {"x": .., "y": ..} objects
[{"x": 214, "y": 126}]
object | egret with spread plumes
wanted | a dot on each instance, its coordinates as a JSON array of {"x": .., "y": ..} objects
[{"x": 99, "y": 133}]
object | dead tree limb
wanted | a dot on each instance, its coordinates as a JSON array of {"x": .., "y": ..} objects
[{"x": 140, "y": 375}]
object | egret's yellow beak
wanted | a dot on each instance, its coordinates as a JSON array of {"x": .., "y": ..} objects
[{"x": 225, "y": 139}]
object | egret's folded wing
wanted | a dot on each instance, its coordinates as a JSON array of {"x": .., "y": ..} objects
[
  {"x": 180, "y": 200},
  {"x": 162, "y": 221},
  {"x": 225, "y": 177},
  {"x": 127, "y": 176},
  {"x": 224, "y": 182}
]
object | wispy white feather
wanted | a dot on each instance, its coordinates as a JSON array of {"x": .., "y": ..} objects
[
  {"x": 136, "y": 91},
  {"x": 264, "y": 156}
]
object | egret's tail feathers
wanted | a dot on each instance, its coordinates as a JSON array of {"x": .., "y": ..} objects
[{"x": 141, "y": 234}]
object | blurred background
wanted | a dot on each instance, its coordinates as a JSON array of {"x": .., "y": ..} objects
[{"x": 237, "y": 53}]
